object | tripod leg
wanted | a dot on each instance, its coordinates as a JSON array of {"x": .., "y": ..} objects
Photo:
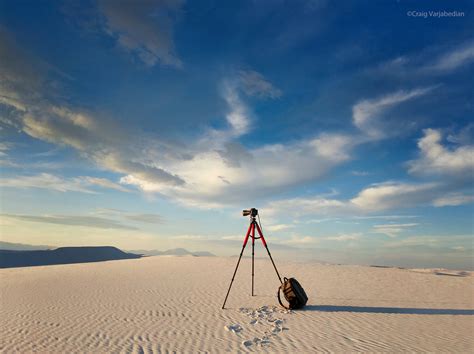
[
  {"x": 268, "y": 251},
  {"x": 237, "y": 266},
  {"x": 253, "y": 252}
]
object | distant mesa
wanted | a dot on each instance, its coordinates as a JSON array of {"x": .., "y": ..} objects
[
  {"x": 174, "y": 252},
  {"x": 62, "y": 255}
]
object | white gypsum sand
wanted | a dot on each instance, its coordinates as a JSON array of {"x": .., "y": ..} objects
[{"x": 162, "y": 304}]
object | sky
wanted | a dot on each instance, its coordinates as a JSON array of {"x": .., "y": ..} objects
[{"x": 152, "y": 124}]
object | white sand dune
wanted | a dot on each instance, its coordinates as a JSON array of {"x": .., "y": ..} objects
[{"x": 166, "y": 304}]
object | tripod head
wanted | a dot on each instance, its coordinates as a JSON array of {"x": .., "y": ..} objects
[{"x": 252, "y": 212}]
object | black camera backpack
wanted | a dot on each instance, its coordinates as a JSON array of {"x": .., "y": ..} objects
[{"x": 294, "y": 294}]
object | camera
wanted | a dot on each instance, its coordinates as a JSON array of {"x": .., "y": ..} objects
[{"x": 252, "y": 212}]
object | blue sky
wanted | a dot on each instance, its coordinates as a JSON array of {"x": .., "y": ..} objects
[{"x": 151, "y": 124}]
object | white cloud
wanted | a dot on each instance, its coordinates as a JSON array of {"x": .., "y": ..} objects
[
  {"x": 387, "y": 217},
  {"x": 333, "y": 146},
  {"x": 394, "y": 195},
  {"x": 103, "y": 182},
  {"x": 372, "y": 199},
  {"x": 212, "y": 177},
  {"x": 238, "y": 116},
  {"x": 63, "y": 126},
  {"x": 360, "y": 173},
  {"x": 118, "y": 161},
  {"x": 99, "y": 140},
  {"x": 375, "y": 198},
  {"x": 458, "y": 57},
  {"x": 439, "y": 160},
  {"x": 52, "y": 182},
  {"x": 9, "y": 99},
  {"x": 141, "y": 217},
  {"x": 344, "y": 237},
  {"x": 4, "y": 146},
  {"x": 433, "y": 241},
  {"x": 316, "y": 205},
  {"x": 278, "y": 227},
  {"x": 392, "y": 230},
  {"x": 144, "y": 28},
  {"x": 453, "y": 199},
  {"x": 72, "y": 220},
  {"x": 465, "y": 136},
  {"x": 45, "y": 181},
  {"x": 366, "y": 114},
  {"x": 233, "y": 238},
  {"x": 428, "y": 63},
  {"x": 300, "y": 240},
  {"x": 254, "y": 84}
]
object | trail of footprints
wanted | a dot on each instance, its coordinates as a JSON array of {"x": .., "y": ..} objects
[{"x": 264, "y": 319}]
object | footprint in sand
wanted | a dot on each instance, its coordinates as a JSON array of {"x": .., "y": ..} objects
[
  {"x": 236, "y": 328},
  {"x": 256, "y": 341},
  {"x": 247, "y": 343},
  {"x": 265, "y": 316}
]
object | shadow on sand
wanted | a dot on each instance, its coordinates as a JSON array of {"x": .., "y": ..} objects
[{"x": 390, "y": 310}]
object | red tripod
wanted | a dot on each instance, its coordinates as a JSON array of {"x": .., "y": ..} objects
[{"x": 251, "y": 232}]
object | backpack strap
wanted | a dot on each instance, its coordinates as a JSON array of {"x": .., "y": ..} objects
[{"x": 279, "y": 299}]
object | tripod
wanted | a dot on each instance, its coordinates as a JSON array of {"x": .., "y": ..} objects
[{"x": 251, "y": 233}]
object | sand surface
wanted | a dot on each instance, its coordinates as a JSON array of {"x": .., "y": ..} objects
[{"x": 167, "y": 304}]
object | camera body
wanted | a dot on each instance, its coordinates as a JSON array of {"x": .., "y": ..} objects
[{"x": 252, "y": 212}]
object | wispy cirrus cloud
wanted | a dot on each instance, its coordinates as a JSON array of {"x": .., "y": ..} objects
[
  {"x": 72, "y": 220},
  {"x": 360, "y": 173},
  {"x": 367, "y": 114},
  {"x": 454, "y": 199},
  {"x": 431, "y": 62},
  {"x": 45, "y": 181},
  {"x": 298, "y": 240},
  {"x": 49, "y": 181},
  {"x": 279, "y": 227},
  {"x": 456, "y": 57},
  {"x": 392, "y": 230},
  {"x": 254, "y": 84},
  {"x": 464, "y": 242},
  {"x": 105, "y": 183},
  {"x": 147, "y": 218},
  {"x": 144, "y": 28},
  {"x": 238, "y": 116},
  {"x": 344, "y": 237}
]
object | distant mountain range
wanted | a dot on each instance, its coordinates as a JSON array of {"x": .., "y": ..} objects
[
  {"x": 173, "y": 252},
  {"x": 22, "y": 247},
  {"x": 62, "y": 255}
]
